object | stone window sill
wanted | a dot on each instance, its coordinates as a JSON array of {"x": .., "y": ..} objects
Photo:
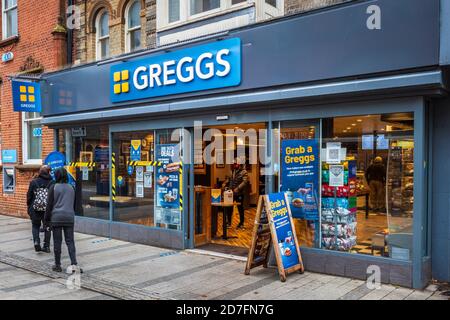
[{"x": 9, "y": 41}]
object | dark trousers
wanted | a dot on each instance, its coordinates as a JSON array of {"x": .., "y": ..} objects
[
  {"x": 229, "y": 211},
  {"x": 69, "y": 237},
  {"x": 35, "y": 228}
]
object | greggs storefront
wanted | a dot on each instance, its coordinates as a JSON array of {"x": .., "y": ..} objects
[{"x": 154, "y": 139}]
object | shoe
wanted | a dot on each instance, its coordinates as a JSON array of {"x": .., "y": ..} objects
[
  {"x": 37, "y": 247},
  {"x": 57, "y": 268},
  {"x": 46, "y": 250}
]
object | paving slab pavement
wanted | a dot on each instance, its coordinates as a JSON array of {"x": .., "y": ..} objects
[{"x": 117, "y": 269}]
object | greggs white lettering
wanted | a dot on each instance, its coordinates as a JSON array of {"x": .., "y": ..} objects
[{"x": 205, "y": 66}]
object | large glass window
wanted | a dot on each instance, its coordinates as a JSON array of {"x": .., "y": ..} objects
[
  {"x": 371, "y": 159},
  {"x": 371, "y": 213},
  {"x": 9, "y": 8},
  {"x": 87, "y": 153},
  {"x": 147, "y": 179},
  {"x": 199, "y": 6},
  {"x": 32, "y": 137},
  {"x": 102, "y": 28},
  {"x": 133, "y": 26}
]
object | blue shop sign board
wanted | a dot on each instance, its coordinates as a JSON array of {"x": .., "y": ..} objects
[
  {"x": 9, "y": 156},
  {"x": 210, "y": 66},
  {"x": 26, "y": 96}
]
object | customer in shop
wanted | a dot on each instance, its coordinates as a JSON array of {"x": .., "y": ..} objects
[
  {"x": 37, "y": 201},
  {"x": 376, "y": 178},
  {"x": 237, "y": 182},
  {"x": 60, "y": 215}
]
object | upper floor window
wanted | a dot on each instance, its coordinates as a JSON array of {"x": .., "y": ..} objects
[
  {"x": 133, "y": 26},
  {"x": 273, "y": 3},
  {"x": 199, "y": 6},
  {"x": 174, "y": 10},
  {"x": 9, "y": 17},
  {"x": 102, "y": 34}
]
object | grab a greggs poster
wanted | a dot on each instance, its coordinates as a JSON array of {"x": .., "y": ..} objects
[
  {"x": 279, "y": 215},
  {"x": 300, "y": 177}
]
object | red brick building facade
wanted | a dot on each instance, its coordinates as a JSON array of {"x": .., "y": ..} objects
[{"x": 37, "y": 39}]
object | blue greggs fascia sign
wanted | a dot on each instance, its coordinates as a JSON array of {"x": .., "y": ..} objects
[
  {"x": 26, "y": 96},
  {"x": 210, "y": 66}
]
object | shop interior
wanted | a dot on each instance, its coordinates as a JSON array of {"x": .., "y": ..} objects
[
  {"x": 208, "y": 216},
  {"x": 382, "y": 224}
]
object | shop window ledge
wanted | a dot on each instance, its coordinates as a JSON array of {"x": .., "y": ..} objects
[
  {"x": 9, "y": 41},
  {"x": 28, "y": 167}
]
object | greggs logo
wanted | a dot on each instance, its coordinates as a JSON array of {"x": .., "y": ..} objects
[{"x": 210, "y": 66}]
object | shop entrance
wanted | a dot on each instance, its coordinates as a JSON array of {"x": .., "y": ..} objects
[{"x": 230, "y": 161}]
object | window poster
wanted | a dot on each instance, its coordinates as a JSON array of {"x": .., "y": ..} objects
[
  {"x": 300, "y": 177},
  {"x": 139, "y": 173},
  {"x": 167, "y": 184}
]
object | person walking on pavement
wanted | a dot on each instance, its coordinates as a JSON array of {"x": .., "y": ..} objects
[
  {"x": 376, "y": 178},
  {"x": 37, "y": 202},
  {"x": 238, "y": 183},
  {"x": 60, "y": 216}
]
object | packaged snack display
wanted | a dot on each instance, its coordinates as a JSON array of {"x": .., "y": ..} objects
[{"x": 339, "y": 214}]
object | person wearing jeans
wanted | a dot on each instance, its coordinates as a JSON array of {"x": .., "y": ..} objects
[
  {"x": 60, "y": 215},
  {"x": 37, "y": 200}
]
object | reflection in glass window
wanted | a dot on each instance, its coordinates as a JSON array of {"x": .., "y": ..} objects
[
  {"x": 88, "y": 148},
  {"x": 372, "y": 212},
  {"x": 174, "y": 10},
  {"x": 199, "y": 6},
  {"x": 133, "y": 25},
  {"x": 273, "y": 3},
  {"x": 148, "y": 193},
  {"x": 32, "y": 134},
  {"x": 102, "y": 28},
  {"x": 10, "y": 28}
]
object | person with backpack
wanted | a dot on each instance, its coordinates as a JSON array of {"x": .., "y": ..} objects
[
  {"x": 60, "y": 217},
  {"x": 37, "y": 200}
]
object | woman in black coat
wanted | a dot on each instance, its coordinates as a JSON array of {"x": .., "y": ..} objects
[{"x": 37, "y": 185}]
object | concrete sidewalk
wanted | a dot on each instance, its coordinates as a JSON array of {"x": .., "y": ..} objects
[{"x": 119, "y": 270}]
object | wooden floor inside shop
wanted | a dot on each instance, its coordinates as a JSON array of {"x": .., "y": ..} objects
[{"x": 237, "y": 237}]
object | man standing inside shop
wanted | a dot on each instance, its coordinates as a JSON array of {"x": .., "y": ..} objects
[
  {"x": 238, "y": 183},
  {"x": 376, "y": 178}
]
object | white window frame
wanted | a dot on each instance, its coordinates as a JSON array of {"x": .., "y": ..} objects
[
  {"x": 271, "y": 11},
  {"x": 25, "y": 141},
  {"x": 162, "y": 15},
  {"x": 129, "y": 30},
  {"x": 5, "y": 22},
  {"x": 98, "y": 38}
]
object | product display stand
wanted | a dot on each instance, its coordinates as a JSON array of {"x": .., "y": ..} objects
[{"x": 339, "y": 208}]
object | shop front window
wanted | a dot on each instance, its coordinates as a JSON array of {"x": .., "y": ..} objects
[
  {"x": 370, "y": 161},
  {"x": 147, "y": 179},
  {"x": 87, "y": 154},
  {"x": 350, "y": 182}
]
